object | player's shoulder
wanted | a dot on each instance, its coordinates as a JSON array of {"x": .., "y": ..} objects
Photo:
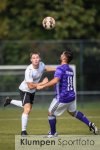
[
  {"x": 64, "y": 67},
  {"x": 41, "y": 64},
  {"x": 59, "y": 68},
  {"x": 70, "y": 68},
  {"x": 29, "y": 67}
]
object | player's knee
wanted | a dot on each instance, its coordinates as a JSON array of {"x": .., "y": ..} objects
[
  {"x": 27, "y": 110},
  {"x": 50, "y": 114},
  {"x": 72, "y": 113}
]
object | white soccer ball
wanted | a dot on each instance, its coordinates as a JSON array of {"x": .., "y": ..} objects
[{"x": 48, "y": 23}]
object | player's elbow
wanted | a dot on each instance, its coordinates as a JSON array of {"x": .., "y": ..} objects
[{"x": 30, "y": 86}]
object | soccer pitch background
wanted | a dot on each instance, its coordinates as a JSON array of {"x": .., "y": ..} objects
[
  {"x": 10, "y": 118},
  {"x": 21, "y": 31},
  {"x": 10, "y": 123}
]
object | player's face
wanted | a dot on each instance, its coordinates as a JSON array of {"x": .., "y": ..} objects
[
  {"x": 62, "y": 57},
  {"x": 35, "y": 59}
]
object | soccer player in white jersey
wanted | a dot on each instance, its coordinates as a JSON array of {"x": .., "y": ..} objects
[
  {"x": 65, "y": 95},
  {"x": 27, "y": 88}
]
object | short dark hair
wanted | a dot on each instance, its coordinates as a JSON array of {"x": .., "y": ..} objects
[
  {"x": 69, "y": 55},
  {"x": 34, "y": 52}
]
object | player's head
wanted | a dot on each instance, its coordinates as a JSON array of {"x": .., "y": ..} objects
[
  {"x": 35, "y": 58},
  {"x": 67, "y": 56}
]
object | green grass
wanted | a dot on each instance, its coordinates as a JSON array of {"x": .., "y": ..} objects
[{"x": 10, "y": 123}]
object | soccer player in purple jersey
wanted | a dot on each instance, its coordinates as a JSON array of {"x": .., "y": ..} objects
[{"x": 65, "y": 95}]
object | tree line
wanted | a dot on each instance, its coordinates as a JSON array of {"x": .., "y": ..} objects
[
  {"x": 21, "y": 31},
  {"x": 75, "y": 19}
]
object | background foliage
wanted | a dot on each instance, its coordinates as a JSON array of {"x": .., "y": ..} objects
[
  {"x": 21, "y": 20},
  {"x": 21, "y": 32}
]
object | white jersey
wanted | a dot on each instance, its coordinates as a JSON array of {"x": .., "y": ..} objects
[{"x": 32, "y": 75}]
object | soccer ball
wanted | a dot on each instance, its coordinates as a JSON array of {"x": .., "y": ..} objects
[{"x": 48, "y": 23}]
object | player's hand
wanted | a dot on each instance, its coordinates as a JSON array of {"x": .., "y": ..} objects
[
  {"x": 39, "y": 87},
  {"x": 45, "y": 80}
]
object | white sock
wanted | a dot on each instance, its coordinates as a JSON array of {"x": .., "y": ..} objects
[
  {"x": 17, "y": 103},
  {"x": 24, "y": 121}
]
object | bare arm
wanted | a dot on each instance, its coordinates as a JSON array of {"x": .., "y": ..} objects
[
  {"x": 50, "y": 83},
  {"x": 50, "y": 69},
  {"x": 32, "y": 85}
]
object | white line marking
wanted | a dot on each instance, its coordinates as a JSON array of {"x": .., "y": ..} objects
[{"x": 43, "y": 118}]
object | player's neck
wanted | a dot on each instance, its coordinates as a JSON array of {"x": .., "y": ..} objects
[
  {"x": 35, "y": 66},
  {"x": 63, "y": 62}
]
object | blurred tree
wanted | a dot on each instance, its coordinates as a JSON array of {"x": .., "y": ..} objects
[{"x": 74, "y": 19}]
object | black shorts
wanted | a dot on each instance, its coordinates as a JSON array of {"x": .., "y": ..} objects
[{"x": 27, "y": 97}]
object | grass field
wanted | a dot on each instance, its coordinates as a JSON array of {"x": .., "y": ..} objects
[{"x": 10, "y": 123}]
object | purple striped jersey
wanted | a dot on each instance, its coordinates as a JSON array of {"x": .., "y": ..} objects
[{"x": 64, "y": 89}]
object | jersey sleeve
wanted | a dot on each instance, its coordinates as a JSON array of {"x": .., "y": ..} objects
[
  {"x": 58, "y": 73},
  {"x": 28, "y": 75},
  {"x": 43, "y": 66}
]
